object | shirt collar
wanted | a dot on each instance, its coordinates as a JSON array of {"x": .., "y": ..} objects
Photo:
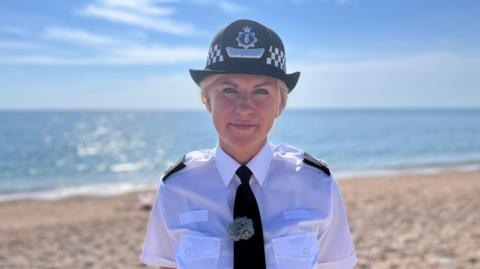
[{"x": 259, "y": 165}]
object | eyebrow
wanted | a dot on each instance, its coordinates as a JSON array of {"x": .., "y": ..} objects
[
  {"x": 266, "y": 83},
  {"x": 228, "y": 82}
]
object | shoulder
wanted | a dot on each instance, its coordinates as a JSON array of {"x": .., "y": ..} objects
[
  {"x": 317, "y": 163},
  {"x": 295, "y": 157},
  {"x": 193, "y": 160}
]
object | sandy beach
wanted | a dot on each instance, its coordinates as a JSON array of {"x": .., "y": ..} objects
[{"x": 407, "y": 221}]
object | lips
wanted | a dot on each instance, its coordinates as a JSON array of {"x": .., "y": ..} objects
[{"x": 243, "y": 126}]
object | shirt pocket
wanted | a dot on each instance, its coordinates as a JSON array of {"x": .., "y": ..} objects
[
  {"x": 310, "y": 220},
  {"x": 198, "y": 251},
  {"x": 298, "y": 251},
  {"x": 193, "y": 217}
]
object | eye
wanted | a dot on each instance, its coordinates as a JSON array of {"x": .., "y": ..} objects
[
  {"x": 229, "y": 90},
  {"x": 261, "y": 91}
]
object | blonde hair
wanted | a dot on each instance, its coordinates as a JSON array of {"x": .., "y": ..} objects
[{"x": 206, "y": 82}]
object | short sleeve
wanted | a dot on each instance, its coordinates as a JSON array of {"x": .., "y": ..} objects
[
  {"x": 158, "y": 248},
  {"x": 336, "y": 250}
]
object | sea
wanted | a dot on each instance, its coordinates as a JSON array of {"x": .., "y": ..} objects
[{"x": 58, "y": 154}]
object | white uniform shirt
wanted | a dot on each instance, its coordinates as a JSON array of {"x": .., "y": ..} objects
[{"x": 302, "y": 211}]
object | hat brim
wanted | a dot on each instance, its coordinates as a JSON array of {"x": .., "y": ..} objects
[{"x": 289, "y": 79}]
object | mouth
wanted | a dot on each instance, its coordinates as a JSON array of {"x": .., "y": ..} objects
[{"x": 243, "y": 126}]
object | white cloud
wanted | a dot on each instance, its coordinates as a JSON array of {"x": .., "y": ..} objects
[
  {"x": 131, "y": 48},
  {"x": 157, "y": 54},
  {"x": 31, "y": 58},
  {"x": 17, "y": 45},
  {"x": 340, "y": 2},
  {"x": 140, "y": 14},
  {"x": 14, "y": 30},
  {"x": 343, "y": 2},
  {"x": 76, "y": 35},
  {"x": 107, "y": 50},
  {"x": 227, "y": 6},
  {"x": 232, "y": 7},
  {"x": 114, "y": 55},
  {"x": 143, "y": 6}
]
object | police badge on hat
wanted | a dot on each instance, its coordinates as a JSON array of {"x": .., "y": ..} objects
[
  {"x": 247, "y": 47},
  {"x": 246, "y": 40}
]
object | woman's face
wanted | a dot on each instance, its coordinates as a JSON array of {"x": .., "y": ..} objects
[{"x": 243, "y": 108}]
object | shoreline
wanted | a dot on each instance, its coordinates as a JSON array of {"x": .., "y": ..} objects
[
  {"x": 401, "y": 221},
  {"x": 122, "y": 188}
]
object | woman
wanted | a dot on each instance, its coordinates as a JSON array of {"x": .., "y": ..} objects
[{"x": 246, "y": 203}]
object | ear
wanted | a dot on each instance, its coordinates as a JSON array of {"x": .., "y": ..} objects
[
  {"x": 280, "y": 108},
  {"x": 208, "y": 104},
  {"x": 279, "y": 112}
]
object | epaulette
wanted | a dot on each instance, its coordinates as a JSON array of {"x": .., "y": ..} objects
[
  {"x": 308, "y": 159},
  {"x": 179, "y": 165}
]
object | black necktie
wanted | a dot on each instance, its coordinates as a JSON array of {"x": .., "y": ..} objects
[{"x": 248, "y": 254}]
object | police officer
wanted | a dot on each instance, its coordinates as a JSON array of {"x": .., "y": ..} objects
[{"x": 247, "y": 204}]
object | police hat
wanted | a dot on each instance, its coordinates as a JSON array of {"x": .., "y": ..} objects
[{"x": 247, "y": 47}]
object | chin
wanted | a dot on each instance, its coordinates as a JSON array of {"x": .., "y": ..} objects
[{"x": 244, "y": 142}]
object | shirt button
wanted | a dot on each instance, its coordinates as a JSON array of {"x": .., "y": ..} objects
[
  {"x": 305, "y": 251},
  {"x": 187, "y": 252}
]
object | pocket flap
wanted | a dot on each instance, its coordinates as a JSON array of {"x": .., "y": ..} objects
[
  {"x": 304, "y": 214},
  {"x": 299, "y": 246},
  {"x": 198, "y": 246},
  {"x": 297, "y": 214},
  {"x": 193, "y": 216}
]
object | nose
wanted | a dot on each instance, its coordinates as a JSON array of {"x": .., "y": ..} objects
[{"x": 244, "y": 105}]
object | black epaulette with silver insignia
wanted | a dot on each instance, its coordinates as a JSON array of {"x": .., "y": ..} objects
[
  {"x": 174, "y": 168},
  {"x": 308, "y": 159}
]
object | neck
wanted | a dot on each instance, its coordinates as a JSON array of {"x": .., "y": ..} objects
[{"x": 242, "y": 154}]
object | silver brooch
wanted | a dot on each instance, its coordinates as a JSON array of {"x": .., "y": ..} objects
[{"x": 241, "y": 229}]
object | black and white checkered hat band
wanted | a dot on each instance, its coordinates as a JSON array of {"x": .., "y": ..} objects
[
  {"x": 277, "y": 58},
  {"x": 214, "y": 55}
]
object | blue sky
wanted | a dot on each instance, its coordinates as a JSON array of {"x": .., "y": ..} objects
[{"x": 126, "y": 54}]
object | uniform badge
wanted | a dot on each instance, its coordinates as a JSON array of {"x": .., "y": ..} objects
[{"x": 246, "y": 41}]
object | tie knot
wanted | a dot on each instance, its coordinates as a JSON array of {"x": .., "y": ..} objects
[{"x": 244, "y": 173}]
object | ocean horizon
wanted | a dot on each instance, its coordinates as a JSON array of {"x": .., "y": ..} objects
[{"x": 50, "y": 154}]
